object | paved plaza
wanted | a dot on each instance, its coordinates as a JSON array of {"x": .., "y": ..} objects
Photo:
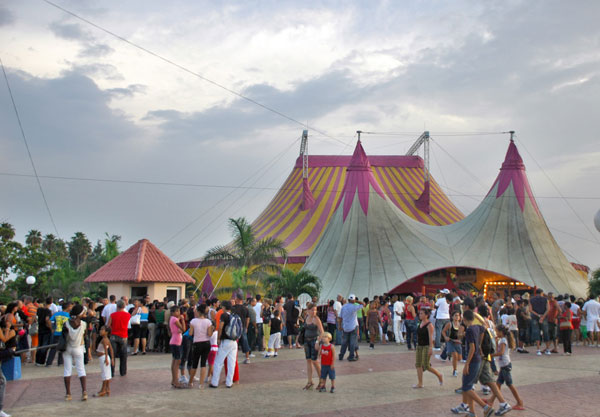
[{"x": 378, "y": 384}]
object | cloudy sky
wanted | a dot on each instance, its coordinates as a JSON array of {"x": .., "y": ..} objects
[{"x": 94, "y": 106}]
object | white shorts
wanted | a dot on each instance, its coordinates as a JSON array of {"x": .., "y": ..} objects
[
  {"x": 275, "y": 340},
  {"x": 105, "y": 373},
  {"x": 73, "y": 357},
  {"x": 592, "y": 325}
]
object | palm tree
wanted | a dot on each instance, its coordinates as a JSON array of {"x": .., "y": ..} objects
[
  {"x": 111, "y": 247},
  {"x": 56, "y": 248},
  {"x": 79, "y": 249},
  {"x": 34, "y": 238},
  {"x": 250, "y": 258},
  {"x": 295, "y": 283}
]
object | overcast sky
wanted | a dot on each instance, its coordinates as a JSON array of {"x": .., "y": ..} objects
[{"x": 94, "y": 106}]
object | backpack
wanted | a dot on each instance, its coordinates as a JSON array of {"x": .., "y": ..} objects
[
  {"x": 234, "y": 328},
  {"x": 488, "y": 344}
]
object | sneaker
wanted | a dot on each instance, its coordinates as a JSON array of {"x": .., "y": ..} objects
[
  {"x": 488, "y": 411},
  {"x": 36, "y": 364},
  {"x": 275, "y": 354},
  {"x": 454, "y": 374},
  {"x": 332, "y": 390},
  {"x": 503, "y": 409},
  {"x": 463, "y": 361},
  {"x": 3, "y": 414},
  {"x": 252, "y": 355},
  {"x": 485, "y": 390},
  {"x": 183, "y": 379},
  {"x": 322, "y": 389},
  {"x": 267, "y": 356},
  {"x": 246, "y": 361},
  {"x": 547, "y": 352},
  {"x": 539, "y": 353},
  {"x": 437, "y": 349},
  {"x": 461, "y": 409},
  {"x": 439, "y": 357},
  {"x": 197, "y": 378},
  {"x": 458, "y": 391}
]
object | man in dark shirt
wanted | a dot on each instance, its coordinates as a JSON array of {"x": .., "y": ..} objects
[
  {"x": 523, "y": 322},
  {"x": 291, "y": 318},
  {"x": 538, "y": 308},
  {"x": 241, "y": 310},
  {"x": 471, "y": 369},
  {"x": 44, "y": 332}
]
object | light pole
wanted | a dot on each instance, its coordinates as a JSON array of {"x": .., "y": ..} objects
[
  {"x": 30, "y": 280},
  {"x": 597, "y": 221}
]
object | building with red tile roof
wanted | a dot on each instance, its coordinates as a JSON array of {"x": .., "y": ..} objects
[{"x": 141, "y": 270}]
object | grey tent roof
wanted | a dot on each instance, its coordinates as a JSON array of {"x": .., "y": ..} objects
[{"x": 370, "y": 246}]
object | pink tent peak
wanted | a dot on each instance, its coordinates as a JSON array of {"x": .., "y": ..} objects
[
  {"x": 358, "y": 179},
  {"x": 308, "y": 201},
  {"x": 207, "y": 285},
  {"x": 513, "y": 171}
]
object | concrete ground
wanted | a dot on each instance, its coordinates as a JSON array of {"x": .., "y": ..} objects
[{"x": 378, "y": 384}]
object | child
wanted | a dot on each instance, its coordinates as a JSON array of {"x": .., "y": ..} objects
[
  {"x": 505, "y": 343},
  {"x": 104, "y": 351},
  {"x": 214, "y": 348},
  {"x": 275, "y": 337},
  {"x": 327, "y": 354}
]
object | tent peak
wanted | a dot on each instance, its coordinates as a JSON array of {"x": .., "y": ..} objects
[{"x": 360, "y": 160}]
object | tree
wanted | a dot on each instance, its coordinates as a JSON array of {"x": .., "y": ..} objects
[
  {"x": 9, "y": 252},
  {"x": 594, "y": 288},
  {"x": 56, "y": 248},
  {"x": 111, "y": 247},
  {"x": 239, "y": 283},
  {"x": 295, "y": 283},
  {"x": 253, "y": 259},
  {"x": 34, "y": 238},
  {"x": 79, "y": 249}
]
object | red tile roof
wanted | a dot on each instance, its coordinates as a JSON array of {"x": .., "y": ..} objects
[{"x": 143, "y": 262}]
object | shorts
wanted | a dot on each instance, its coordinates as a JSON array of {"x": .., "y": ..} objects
[
  {"x": 212, "y": 355},
  {"x": 422, "y": 358},
  {"x": 485, "y": 373},
  {"x": 105, "y": 373},
  {"x": 452, "y": 347},
  {"x": 327, "y": 371},
  {"x": 505, "y": 376},
  {"x": 310, "y": 351},
  {"x": 470, "y": 378},
  {"x": 523, "y": 336},
  {"x": 583, "y": 329},
  {"x": 576, "y": 322},
  {"x": 200, "y": 352},
  {"x": 536, "y": 328},
  {"x": 552, "y": 331},
  {"x": 592, "y": 325},
  {"x": 290, "y": 328},
  {"x": 176, "y": 351},
  {"x": 139, "y": 331}
]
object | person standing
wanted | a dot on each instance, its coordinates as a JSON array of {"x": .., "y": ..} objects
[
  {"x": 398, "y": 308},
  {"x": 411, "y": 324},
  {"x": 591, "y": 310},
  {"x": 109, "y": 308},
  {"x": 373, "y": 323},
  {"x": 553, "y": 311},
  {"x": 177, "y": 328},
  {"x": 337, "y": 306},
  {"x": 291, "y": 319},
  {"x": 313, "y": 329},
  {"x": 73, "y": 355},
  {"x": 118, "y": 322},
  {"x": 44, "y": 332},
  {"x": 349, "y": 326},
  {"x": 58, "y": 319},
  {"x": 227, "y": 349},
  {"x": 442, "y": 315},
  {"x": 566, "y": 327},
  {"x": 538, "y": 308},
  {"x": 258, "y": 309},
  {"x": 242, "y": 311}
]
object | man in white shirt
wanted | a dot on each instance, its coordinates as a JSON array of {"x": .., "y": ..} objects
[
  {"x": 337, "y": 306},
  {"x": 259, "y": 325},
  {"x": 442, "y": 315},
  {"x": 398, "y": 308},
  {"x": 110, "y": 308},
  {"x": 591, "y": 310}
]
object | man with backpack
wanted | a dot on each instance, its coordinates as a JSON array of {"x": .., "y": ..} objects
[{"x": 229, "y": 332}]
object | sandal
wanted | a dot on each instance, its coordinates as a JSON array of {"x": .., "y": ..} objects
[
  {"x": 84, "y": 396},
  {"x": 68, "y": 397},
  {"x": 100, "y": 394},
  {"x": 518, "y": 407},
  {"x": 308, "y": 386},
  {"x": 417, "y": 386}
]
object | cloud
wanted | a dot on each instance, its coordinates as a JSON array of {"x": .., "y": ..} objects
[
  {"x": 6, "y": 17},
  {"x": 70, "y": 31},
  {"x": 128, "y": 91},
  {"x": 96, "y": 51}
]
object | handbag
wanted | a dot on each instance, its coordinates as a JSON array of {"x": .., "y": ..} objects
[
  {"x": 300, "y": 337},
  {"x": 61, "y": 343},
  {"x": 137, "y": 319}
]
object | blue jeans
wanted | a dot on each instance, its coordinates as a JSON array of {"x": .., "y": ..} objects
[
  {"x": 411, "y": 333},
  {"x": 53, "y": 351},
  {"x": 244, "y": 342},
  {"x": 348, "y": 342},
  {"x": 439, "y": 325},
  {"x": 119, "y": 345}
]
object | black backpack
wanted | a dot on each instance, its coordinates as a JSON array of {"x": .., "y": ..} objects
[{"x": 488, "y": 344}]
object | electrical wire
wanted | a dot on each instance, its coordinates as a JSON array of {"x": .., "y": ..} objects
[
  {"x": 189, "y": 71},
  {"x": 37, "y": 177}
]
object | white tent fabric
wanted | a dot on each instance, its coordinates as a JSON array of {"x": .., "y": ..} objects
[{"x": 370, "y": 247}]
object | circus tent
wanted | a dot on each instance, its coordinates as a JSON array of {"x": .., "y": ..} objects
[{"x": 370, "y": 246}]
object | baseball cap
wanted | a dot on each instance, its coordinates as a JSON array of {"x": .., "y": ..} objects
[
  {"x": 352, "y": 297},
  {"x": 445, "y": 291}
]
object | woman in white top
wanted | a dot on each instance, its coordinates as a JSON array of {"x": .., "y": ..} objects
[
  {"x": 201, "y": 329},
  {"x": 73, "y": 355}
]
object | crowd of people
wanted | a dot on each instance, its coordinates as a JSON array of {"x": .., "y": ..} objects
[{"x": 479, "y": 332}]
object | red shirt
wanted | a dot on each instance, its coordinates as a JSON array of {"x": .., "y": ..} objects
[
  {"x": 118, "y": 323},
  {"x": 327, "y": 355}
]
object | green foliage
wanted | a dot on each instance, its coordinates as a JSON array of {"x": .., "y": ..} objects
[
  {"x": 251, "y": 259},
  {"x": 594, "y": 288},
  {"x": 239, "y": 283},
  {"x": 59, "y": 269},
  {"x": 293, "y": 283}
]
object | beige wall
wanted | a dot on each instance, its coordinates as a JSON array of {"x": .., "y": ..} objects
[{"x": 156, "y": 290}]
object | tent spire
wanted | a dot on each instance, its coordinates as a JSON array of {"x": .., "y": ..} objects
[{"x": 308, "y": 200}]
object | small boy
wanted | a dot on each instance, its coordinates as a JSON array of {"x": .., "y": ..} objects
[
  {"x": 275, "y": 338},
  {"x": 327, "y": 354}
]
